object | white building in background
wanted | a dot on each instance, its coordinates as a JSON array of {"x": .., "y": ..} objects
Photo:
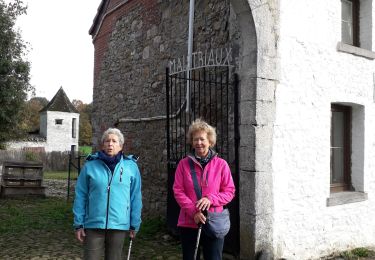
[
  {"x": 323, "y": 151},
  {"x": 59, "y": 127}
]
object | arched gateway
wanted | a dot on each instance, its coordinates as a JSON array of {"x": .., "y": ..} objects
[{"x": 248, "y": 86}]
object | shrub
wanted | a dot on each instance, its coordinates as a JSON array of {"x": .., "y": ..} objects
[
  {"x": 85, "y": 150},
  {"x": 31, "y": 156}
]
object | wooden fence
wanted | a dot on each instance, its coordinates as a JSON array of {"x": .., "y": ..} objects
[{"x": 52, "y": 161}]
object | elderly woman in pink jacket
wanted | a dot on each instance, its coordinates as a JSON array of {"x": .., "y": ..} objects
[{"x": 217, "y": 189}]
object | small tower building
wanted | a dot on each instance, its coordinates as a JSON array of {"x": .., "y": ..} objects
[{"x": 59, "y": 123}]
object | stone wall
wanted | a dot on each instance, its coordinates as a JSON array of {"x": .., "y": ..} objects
[{"x": 133, "y": 47}]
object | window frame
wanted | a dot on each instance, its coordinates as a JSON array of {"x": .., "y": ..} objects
[
  {"x": 74, "y": 126},
  {"x": 346, "y": 185},
  {"x": 355, "y": 22}
]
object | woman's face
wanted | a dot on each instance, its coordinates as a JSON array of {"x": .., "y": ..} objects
[
  {"x": 201, "y": 144},
  {"x": 111, "y": 145}
]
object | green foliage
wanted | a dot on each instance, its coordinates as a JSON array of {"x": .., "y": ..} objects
[
  {"x": 14, "y": 70},
  {"x": 357, "y": 253},
  {"x": 85, "y": 128},
  {"x": 2, "y": 146},
  {"x": 31, "y": 156},
  {"x": 361, "y": 252},
  {"x": 24, "y": 214},
  {"x": 85, "y": 150},
  {"x": 60, "y": 175},
  {"x": 20, "y": 214},
  {"x": 30, "y": 118},
  {"x": 152, "y": 226}
]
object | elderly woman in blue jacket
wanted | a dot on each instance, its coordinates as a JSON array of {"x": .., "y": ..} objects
[{"x": 108, "y": 199}]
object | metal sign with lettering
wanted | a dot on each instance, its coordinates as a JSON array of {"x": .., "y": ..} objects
[{"x": 214, "y": 57}]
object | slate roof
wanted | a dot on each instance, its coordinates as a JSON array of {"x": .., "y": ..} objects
[
  {"x": 99, "y": 15},
  {"x": 60, "y": 102}
]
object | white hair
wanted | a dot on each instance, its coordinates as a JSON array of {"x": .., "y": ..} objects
[{"x": 113, "y": 131}]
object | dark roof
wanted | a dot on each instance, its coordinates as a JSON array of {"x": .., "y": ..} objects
[
  {"x": 99, "y": 14},
  {"x": 60, "y": 102}
]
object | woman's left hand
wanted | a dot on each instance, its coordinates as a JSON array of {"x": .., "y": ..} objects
[
  {"x": 132, "y": 234},
  {"x": 203, "y": 204},
  {"x": 199, "y": 217}
]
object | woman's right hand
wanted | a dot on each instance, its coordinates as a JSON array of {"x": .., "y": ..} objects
[
  {"x": 80, "y": 234},
  {"x": 199, "y": 217}
]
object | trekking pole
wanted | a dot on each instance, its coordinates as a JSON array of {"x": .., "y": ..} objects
[
  {"x": 199, "y": 236},
  {"x": 197, "y": 243},
  {"x": 130, "y": 248}
]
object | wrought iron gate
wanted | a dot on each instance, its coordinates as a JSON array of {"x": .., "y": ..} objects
[{"x": 213, "y": 97}]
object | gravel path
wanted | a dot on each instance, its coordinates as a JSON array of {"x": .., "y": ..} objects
[{"x": 58, "y": 188}]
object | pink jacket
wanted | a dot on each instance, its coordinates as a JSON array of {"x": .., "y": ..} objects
[{"x": 216, "y": 182}]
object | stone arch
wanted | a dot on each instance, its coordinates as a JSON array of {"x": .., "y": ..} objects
[{"x": 258, "y": 25}]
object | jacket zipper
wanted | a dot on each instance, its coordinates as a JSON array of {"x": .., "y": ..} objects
[{"x": 108, "y": 194}]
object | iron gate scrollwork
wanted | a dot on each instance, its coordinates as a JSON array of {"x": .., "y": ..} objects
[{"x": 213, "y": 94}]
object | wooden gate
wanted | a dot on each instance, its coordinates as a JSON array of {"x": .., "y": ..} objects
[{"x": 210, "y": 93}]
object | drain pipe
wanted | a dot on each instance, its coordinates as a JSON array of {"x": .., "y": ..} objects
[{"x": 190, "y": 51}]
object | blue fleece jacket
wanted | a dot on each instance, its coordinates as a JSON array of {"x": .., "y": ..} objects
[{"x": 108, "y": 201}]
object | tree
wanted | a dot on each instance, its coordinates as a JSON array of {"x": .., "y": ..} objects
[
  {"x": 85, "y": 128},
  {"x": 30, "y": 119},
  {"x": 14, "y": 70}
]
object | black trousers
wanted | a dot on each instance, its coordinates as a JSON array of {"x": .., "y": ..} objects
[
  {"x": 212, "y": 247},
  {"x": 99, "y": 241}
]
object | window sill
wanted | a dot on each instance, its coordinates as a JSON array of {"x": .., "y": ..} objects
[
  {"x": 343, "y": 47},
  {"x": 340, "y": 198}
]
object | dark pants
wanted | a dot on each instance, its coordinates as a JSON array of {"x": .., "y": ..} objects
[
  {"x": 98, "y": 241},
  {"x": 212, "y": 247}
]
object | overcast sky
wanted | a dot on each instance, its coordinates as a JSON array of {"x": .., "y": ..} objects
[{"x": 61, "y": 50}]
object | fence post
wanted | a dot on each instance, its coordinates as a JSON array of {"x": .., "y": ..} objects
[
  {"x": 72, "y": 148},
  {"x": 79, "y": 163}
]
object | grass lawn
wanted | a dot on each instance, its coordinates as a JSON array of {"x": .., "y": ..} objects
[
  {"x": 60, "y": 175},
  {"x": 85, "y": 150},
  {"x": 36, "y": 227}
]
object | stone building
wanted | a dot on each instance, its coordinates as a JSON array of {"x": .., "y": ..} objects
[
  {"x": 59, "y": 127},
  {"x": 305, "y": 108}
]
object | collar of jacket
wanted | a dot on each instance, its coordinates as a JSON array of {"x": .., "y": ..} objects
[
  {"x": 95, "y": 156},
  {"x": 191, "y": 155}
]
